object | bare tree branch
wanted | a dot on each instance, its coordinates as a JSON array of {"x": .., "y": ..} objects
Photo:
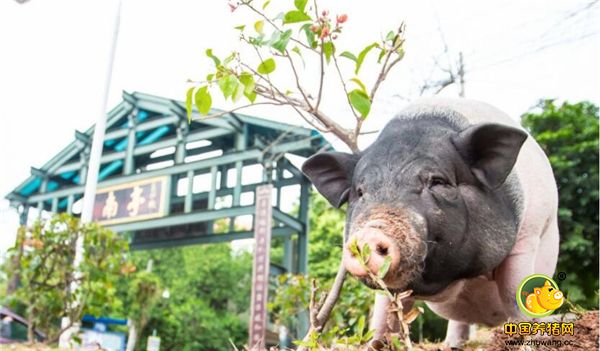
[
  {"x": 322, "y": 78},
  {"x": 337, "y": 67},
  {"x": 298, "y": 85},
  {"x": 320, "y": 315},
  {"x": 385, "y": 69}
]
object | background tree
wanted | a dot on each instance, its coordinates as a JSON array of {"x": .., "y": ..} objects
[
  {"x": 143, "y": 294},
  {"x": 208, "y": 297},
  {"x": 568, "y": 134},
  {"x": 44, "y": 262}
]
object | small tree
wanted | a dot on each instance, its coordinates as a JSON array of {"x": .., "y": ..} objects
[
  {"x": 300, "y": 35},
  {"x": 50, "y": 288}
]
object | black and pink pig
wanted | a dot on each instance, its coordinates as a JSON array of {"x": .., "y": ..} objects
[{"x": 460, "y": 198}]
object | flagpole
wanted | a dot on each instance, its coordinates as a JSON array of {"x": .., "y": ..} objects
[{"x": 91, "y": 181}]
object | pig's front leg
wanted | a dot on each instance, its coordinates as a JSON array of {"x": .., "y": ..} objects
[
  {"x": 457, "y": 334},
  {"x": 380, "y": 316},
  {"x": 385, "y": 320}
]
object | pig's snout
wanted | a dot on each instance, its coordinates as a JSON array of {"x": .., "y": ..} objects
[{"x": 381, "y": 247}]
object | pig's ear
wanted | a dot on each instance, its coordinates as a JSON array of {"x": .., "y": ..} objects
[
  {"x": 331, "y": 173},
  {"x": 491, "y": 151}
]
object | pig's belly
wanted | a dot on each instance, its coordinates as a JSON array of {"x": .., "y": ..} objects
[{"x": 475, "y": 300}]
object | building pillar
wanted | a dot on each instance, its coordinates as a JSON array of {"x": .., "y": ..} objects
[
  {"x": 182, "y": 130},
  {"x": 84, "y": 157},
  {"x": 40, "y": 204},
  {"x": 303, "y": 236},
  {"x": 189, "y": 193},
  {"x": 131, "y": 140},
  {"x": 240, "y": 145},
  {"x": 302, "y": 248}
]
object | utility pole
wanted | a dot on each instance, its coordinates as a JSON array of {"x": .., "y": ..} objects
[{"x": 91, "y": 182}]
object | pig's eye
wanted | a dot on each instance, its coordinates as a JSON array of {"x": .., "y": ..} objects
[
  {"x": 437, "y": 181},
  {"x": 359, "y": 192}
]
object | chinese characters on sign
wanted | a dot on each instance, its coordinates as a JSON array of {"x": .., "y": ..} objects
[
  {"x": 130, "y": 202},
  {"x": 260, "y": 272}
]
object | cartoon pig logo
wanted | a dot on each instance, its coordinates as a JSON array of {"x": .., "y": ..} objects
[{"x": 544, "y": 299}]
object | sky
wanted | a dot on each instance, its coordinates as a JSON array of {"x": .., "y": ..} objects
[{"x": 55, "y": 55}]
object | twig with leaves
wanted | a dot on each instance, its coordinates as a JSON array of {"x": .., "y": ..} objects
[
  {"x": 316, "y": 33},
  {"x": 363, "y": 255}
]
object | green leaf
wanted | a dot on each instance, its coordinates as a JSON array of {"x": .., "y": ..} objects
[
  {"x": 362, "y": 55},
  {"x": 247, "y": 80},
  {"x": 216, "y": 60},
  {"x": 369, "y": 335},
  {"x": 250, "y": 96},
  {"x": 360, "y": 84},
  {"x": 360, "y": 101},
  {"x": 264, "y": 6},
  {"x": 299, "y": 53},
  {"x": 203, "y": 100},
  {"x": 209, "y": 77},
  {"x": 396, "y": 343},
  {"x": 354, "y": 248},
  {"x": 281, "y": 43},
  {"x": 365, "y": 253},
  {"x": 188, "y": 103},
  {"x": 381, "y": 55},
  {"x": 300, "y": 4},
  {"x": 257, "y": 41},
  {"x": 400, "y": 52},
  {"x": 384, "y": 267},
  {"x": 258, "y": 26},
  {"x": 310, "y": 36},
  {"x": 228, "y": 59},
  {"x": 348, "y": 55},
  {"x": 240, "y": 27},
  {"x": 228, "y": 84},
  {"x": 238, "y": 93},
  {"x": 279, "y": 16},
  {"x": 390, "y": 36},
  {"x": 295, "y": 17},
  {"x": 267, "y": 66},
  {"x": 360, "y": 327},
  {"x": 328, "y": 50}
]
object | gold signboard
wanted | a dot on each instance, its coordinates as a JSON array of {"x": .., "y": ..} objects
[{"x": 129, "y": 202}]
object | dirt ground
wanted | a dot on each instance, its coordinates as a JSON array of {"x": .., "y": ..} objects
[{"x": 585, "y": 338}]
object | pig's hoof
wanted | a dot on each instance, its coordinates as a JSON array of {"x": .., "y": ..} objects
[{"x": 376, "y": 345}]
